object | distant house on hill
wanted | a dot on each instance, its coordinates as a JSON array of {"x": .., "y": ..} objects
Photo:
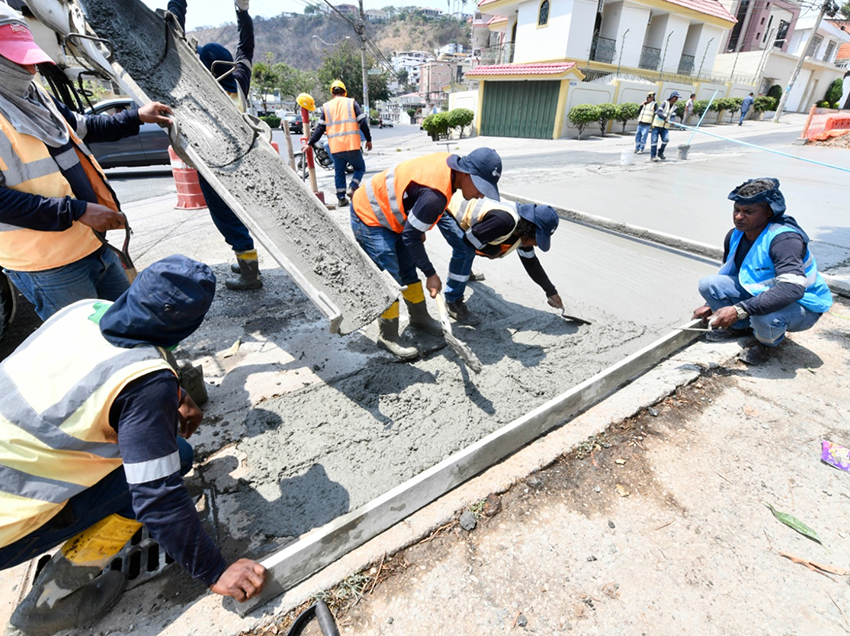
[
  {"x": 376, "y": 15},
  {"x": 347, "y": 9},
  {"x": 430, "y": 12}
]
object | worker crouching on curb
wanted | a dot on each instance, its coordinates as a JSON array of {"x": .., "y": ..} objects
[
  {"x": 495, "y": 229},
  {"x": 391, "y": 213},
  {"x": 91, "y": 451},
  {"x": 769, "y": 283}
]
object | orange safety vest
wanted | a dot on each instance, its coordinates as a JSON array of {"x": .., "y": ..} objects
[
  {"x": 27, "y": 166},
  {"x": 380, "y": 201},
  {"x": 341, "y": 125}
]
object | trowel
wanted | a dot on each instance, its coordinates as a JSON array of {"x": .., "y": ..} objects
[
  {"x": 576, "y": 319},
  {"x": 463, "y": 351}
]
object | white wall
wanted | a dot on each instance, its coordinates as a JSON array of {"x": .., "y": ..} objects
[
  {"x": 585, "y": 93},
  {"x": 793, "y": 103},
  {"x": 534, "y": 43},
  {"x": 580, "y": 36},
  {"x": 677, "y": 30},
  {"x": 656, "y": 30},
  {"x": 710, "y": 40},
  {"x": 635, "y": 20},
  {"x": 692, "y": 40}
]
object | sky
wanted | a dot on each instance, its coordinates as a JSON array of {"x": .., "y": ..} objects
[{"x": 216, "y": 12}]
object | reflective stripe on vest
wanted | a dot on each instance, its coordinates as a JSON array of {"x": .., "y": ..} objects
[
  {"x": 379, "y": 201},
  {"x": 341, "y": 125},
  {"x": 469, "y": 213},
  {"x": 54, "y": 422},
  {"x": 647, "y": 113},
  {"x": 758, "y": 273},
  {"x": 664, "y": 120},
  {"x": 27, "y": 166}
]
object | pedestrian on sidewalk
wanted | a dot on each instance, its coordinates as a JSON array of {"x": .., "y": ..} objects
[
  {"x": 662, "y": 122},
  {"x": 645, "y": 115},
  {"x": 390, "y": 215},
  {"x": 344, "y": 122},
  {"x": 745, "y": 108},
  {"x": 494, "y": 229},
  {"x": 54, "y": 196},
  {"x": 96, "y": 452},
  {"x": 689, "y": 109},
  {"x": 769, "y": 283},
  {"x": 237, "y": 85}
]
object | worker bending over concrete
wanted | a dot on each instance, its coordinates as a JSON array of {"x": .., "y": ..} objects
[
  {"x": 391, "y": 213},
  {"x": 343, "y": 120},
  {"x": 93, "y": 454},
  {"x": 53, "y": 193},
  {"x": 495, "y": 229},
  {"x": 237, "y": 85},
  {"x": 769, "y": 283}
]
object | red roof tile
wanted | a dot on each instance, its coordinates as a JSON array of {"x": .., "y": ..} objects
[
  {"x": 522, "y": 69},
  {"x": 843, "y": 52},
  {"x": 709, "y": 7},
  {"x": 497, "y": 18}
]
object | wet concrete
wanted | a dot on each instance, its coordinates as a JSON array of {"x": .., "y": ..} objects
[{"x": 275, "y": 205}]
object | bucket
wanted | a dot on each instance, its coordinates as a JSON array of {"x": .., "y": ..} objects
[
  {"x": 189, "y": 195},
  {"x": 627, "y": 157},
  {"x": 682, "y": 151}
]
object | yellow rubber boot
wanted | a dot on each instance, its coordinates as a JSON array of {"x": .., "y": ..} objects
[
  {"x": 388, "y": 336},
  {"x": 249, "y": 272},
  {"x": 414, "y": 298}
]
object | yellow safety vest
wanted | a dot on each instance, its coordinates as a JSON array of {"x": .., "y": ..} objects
[
  {"x": 341, "y": 125},
  {"x": 55, "y": 437},
  {"x": 647, "y": 113},
  {"x": 667, "y": 112},
  {"x": 27, "y": 166},
  {"x": 469, "y": 213}
]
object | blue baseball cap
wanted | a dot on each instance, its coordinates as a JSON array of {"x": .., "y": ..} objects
[
  {"x": 215, "y": 52},
  {"x": 544, "y": 217},
  {"x": 674, "y": 94},
  {"x": 484, "y": 165}
]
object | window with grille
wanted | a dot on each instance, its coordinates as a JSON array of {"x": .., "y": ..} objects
[{"x": 543, "y": 14}]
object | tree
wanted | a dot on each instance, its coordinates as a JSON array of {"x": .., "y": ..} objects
[
  {"x": 845, "y": 10},
  {"x": 583, "y": 114},
  {"x": 627, "y": 112},
  {"x": 833, "y": 93},
  {"x": 343, "y": 63},
  {"x": 607, "y": 112},
  {"x": 460, "y": 118},
  {"x": 293, "y": 81},
  {"x": 264, "y": 78}
]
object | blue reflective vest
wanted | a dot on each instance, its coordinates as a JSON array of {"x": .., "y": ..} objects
[{"x": 758, "y": 273}]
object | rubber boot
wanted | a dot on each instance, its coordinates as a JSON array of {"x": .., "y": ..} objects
[
  {"x": 414, "y": 298},
  {"x": 388, "y": 337},
  {"x": 249, "y": 272},
  {"x": 461, "y": 313},
  {"x": 66, "y": 593}
]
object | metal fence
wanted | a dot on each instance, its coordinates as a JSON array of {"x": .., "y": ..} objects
[
  {"x": 650, "y": 58},
  {"x": 686, "y": 65},
  {"x": 603, "y": 49},
  {"x": 603, "y": 76}
]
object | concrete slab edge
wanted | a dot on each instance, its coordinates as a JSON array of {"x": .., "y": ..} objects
[
  {"x": 836, "y": 285},
  {"x": 325, "y": 545}
]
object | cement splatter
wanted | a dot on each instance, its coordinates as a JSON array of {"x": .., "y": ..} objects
[{"x": 269, "y": 194}]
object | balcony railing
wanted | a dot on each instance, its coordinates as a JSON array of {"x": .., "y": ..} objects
[
  {"x": 686, "y": 65},
  {"x": 650, "y": 58},
  {"x": 499, "y": 54},
  {"x": 603, "y": 49}
]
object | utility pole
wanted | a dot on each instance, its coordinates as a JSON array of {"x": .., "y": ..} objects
[
  {"x": 827, "y": 6},
  {"x": 361, "y": 33}
]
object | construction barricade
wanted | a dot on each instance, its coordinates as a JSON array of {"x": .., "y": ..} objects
[{"x": 189, "y": 195}]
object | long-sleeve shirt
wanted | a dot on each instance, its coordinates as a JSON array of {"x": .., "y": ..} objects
[
  {"x": 424, "y": 208},
  {"x": 362, "y": 121},
  {"x": 52, "y": 214},
  {"x": 145, "y": 416},
  {"x": 746, "y": 104},
  {"x": 787, "y": 251},
  {"x": 495, "y": 225}
]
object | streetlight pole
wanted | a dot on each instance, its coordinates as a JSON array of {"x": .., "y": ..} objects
[
  {"x": 361, "y": 33},
  {"x": 826, "y": 6}
]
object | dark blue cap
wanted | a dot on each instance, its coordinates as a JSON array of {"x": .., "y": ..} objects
[
  {"x": 772, "y": 196},
  {"x": 215, "y": 52},
  {"x": 674, "y": 94},
  {"x": 484, "y": 165},
  {"x": 165, "y": 304},
  {"x": 544, "y": 217}
]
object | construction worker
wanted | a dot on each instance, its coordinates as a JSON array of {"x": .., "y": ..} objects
[
  {"x": 769, "y": 283},
  {"x": 237, "y": 85},
  {"x": 495, "y": 229},
  {"x": 645, "y": 116},
  {"x": 94, "y": 454},
  {"x": 665, "y": 113},
  {"x": 392, "y": 212},
  {"x": 343, "y": 120},
  {"x": 53, "y": 193}
]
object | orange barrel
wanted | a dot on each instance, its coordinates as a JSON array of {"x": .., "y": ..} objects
[
  {"x": 276, "y": 147},
  {"x": 189, "y": 195}
]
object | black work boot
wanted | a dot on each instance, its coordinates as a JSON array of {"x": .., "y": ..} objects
[
  {"x": 389, "y": 339},
  {"x": 421, "y": 319},
  {"x": 476, "y": 277},
  {"x": 755, "y": 354},
  {"x": 249, "y": 272},
  {"x": 460, "y": 312}
]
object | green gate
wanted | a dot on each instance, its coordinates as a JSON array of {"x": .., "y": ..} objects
[{"x": 520, "y": 109}]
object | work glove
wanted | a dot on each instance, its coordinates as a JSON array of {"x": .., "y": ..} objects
[{"x": 242, "y": 5}]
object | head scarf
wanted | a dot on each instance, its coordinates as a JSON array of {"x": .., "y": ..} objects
[{"x": 774, "y": 199}]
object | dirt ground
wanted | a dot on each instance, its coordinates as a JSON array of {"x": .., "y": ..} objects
[{"x": 656, "y": 526}]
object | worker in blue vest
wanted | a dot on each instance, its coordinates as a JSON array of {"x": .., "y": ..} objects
[
  {"x": 94, "y": 422},
  {"x": 769, "y": 282}
]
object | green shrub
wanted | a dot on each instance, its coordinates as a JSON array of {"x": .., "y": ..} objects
[
  {"x": 823, "y": 104},
  {"x": 272, "y": 120},
  {"x": 583, "y": 114},
  {"x": 459, "y": 118},
  {"x": 680, "y": 110},
  {"x": 436, "y": 125},
  {"x": 761, "y": 104},
  {"x": 833, "y": 93},
  {"x": 775, "y": 92},
  {"x": 700, "y": 106},
  {"x": 627, "y": 112},
  {"x": 607, "y": 112}
]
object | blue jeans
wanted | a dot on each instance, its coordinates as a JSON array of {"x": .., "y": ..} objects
[
  {"x": 769, "y": 329},
  {"x": 98, "y": 275},
  {"x": 640, "y": 136},
  {"x": 665, "y": 136},
  {"x": 229, "y": 226},
  {"x": 386, "y": 249},
  {"x": 462, "y": 256},
  {"x": 743, "y": 116},
  {"x": 110, "y": 495},
  {"x": 340, "y": 159}
]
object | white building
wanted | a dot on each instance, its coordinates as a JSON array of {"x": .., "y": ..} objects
[{"x": 410, "y": 61}]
